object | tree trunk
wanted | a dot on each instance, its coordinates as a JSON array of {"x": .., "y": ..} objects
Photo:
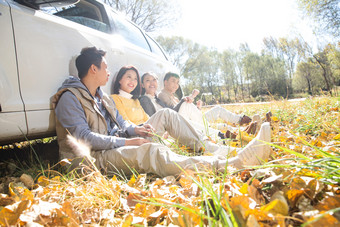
[{"x": 324, "y": 74}]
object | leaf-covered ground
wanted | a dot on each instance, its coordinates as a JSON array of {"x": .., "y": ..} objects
[{"x": 298, "y": 186}]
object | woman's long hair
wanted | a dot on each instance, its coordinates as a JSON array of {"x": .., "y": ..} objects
[{"x": 116, "y": 86}]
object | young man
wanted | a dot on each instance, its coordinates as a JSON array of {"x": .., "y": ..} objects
[
  {"x": 85, "y": 112},
  {"x": 190, "y": 111}
]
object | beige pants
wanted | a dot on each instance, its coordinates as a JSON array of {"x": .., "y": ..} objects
[{"x": 157, "y": 158}]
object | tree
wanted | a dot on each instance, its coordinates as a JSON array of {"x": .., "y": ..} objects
[
  {"x": 266, "y": 75},
  {"x": 325, "y": 12},
  {"x": 231, "y": 67},
  {"x": 151, "y": 15},
  {"x": 333, "y": 55},
  {"x": 178, "y": 49},
  {"x": 306, "y": 77},
  {"x": 203, "y": 70}
]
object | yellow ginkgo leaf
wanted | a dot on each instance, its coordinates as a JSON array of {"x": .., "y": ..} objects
[
  {"x": 274, "y": 118},
  {"x": 132, "y": 181},
  {"x": 276, "y": 207},
  {"x": 244, "y": 189},
  {"x": 337, "y": 137},
  {"x": 43, "y": 181}
]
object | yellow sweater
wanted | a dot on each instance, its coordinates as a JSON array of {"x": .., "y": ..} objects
[{"x": 130, "y": 109}]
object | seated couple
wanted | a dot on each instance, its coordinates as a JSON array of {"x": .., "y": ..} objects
[{"x": 88, "y": 114}]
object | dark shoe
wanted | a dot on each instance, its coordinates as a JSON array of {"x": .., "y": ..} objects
[
  {"x": 245, "y": 120},
  {"x": 269, "y": 117},
  {"x": 251, "y": 128},
  {"x": 221, "y": 135},
  {"x": 230, "y": 135}
]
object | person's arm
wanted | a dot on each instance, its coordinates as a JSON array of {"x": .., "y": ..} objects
[
  {"x": 178, "y": 106},
  {"x": 147, "y": 105},
  {"x": 145, "y": 115},
  {"x": 72, "y": 117}
]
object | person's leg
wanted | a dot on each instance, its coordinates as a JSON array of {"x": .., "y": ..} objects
[
  {"x": 180, "y": 129},
  {"x": 256, "y": 151},
  {"x": 154, "y": 158},
  {"x": 190, "y": 112},
  {"x": 254, "y": 148},
  {"x": 160, "y": 160},
  {"x": 220, "y": 112},
  {"x": 177, "y": 127},
  {"x": 206, "y": 130}
]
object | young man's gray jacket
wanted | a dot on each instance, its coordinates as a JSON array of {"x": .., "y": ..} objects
[{"x": 92, "y": 119}]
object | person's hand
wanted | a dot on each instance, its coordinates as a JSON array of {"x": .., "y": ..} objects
[
  {"x": 194, "y": 93},
  {"x": 145, "y": 130},
  {"x": 188, "y": 99},
  {"x": 136, "y": 141},
  {"x": 199, "y": 104}
]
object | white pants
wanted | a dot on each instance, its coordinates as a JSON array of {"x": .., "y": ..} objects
[
  {"x": 201, "y": 121},
  {"x": 159, "y": 159}
]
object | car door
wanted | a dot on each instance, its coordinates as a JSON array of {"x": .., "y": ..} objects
[
  {"x": 12, "y": 116},
  {"x": 47, "y": 45}
]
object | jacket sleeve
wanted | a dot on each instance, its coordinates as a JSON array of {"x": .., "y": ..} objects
[
  {"x": 147, "y": 105},
  {"x": 175, "y": 108},
  {"x": 72, "y": 117},
  {"x": 178, "y": 106}
]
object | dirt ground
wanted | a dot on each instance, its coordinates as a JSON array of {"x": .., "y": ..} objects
[{"x": 17, "y": 158}]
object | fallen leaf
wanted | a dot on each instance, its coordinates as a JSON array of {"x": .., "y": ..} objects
[
  {"x": 293, "y": 195},
  {"x": 11, "y": 213},
  {"x": 278, "y": 205}
]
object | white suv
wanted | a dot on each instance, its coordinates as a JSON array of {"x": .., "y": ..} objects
[{"x": 39, "y": 43}]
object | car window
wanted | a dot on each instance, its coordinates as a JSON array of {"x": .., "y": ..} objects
[
  {"x": 83, "y": 13},
  {"x": 129, "y": 31},
  {"x": 155, "y": 48}
]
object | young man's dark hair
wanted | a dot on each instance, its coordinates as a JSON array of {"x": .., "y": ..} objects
[
  {"x": 116, "y": 86},
  {"x": 170, "y": 74},
  {"x": 87, "y": 57}
]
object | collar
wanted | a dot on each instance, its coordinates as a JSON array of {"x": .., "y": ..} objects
[
  {"x": 151, "y": 96},
  {"x": 125, "y": 94}
]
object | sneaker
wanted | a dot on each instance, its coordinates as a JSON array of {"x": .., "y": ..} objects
[
  {"x": 221, "y": 135},
  {"x": 245, "y": 120},
  {"x": 230, "y": 135},
  {"x": 269, "y": 117},
  {"x": 256, "y": 151},
  {"x": 251, "y": 128}
]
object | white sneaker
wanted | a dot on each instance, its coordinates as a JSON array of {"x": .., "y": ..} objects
[{"x": 256, "y": 151}]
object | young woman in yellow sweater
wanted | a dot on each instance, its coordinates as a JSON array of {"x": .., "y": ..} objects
[{"x": 126, "y": 90}]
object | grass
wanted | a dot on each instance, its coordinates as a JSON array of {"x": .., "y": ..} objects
[{"x": 304, "y": 167}]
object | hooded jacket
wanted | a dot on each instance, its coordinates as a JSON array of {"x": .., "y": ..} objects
[{"x": 94, "y": 120}]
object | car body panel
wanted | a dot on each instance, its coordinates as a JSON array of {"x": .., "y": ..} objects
[
  {"x": 12, "y": 115},
  {"x": 40, "y": 51}
]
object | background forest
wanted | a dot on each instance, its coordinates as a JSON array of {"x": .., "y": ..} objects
[{"x": 287, "y": 67}]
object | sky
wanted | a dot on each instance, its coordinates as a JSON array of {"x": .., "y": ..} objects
[{"x": 226, "y": 24}]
